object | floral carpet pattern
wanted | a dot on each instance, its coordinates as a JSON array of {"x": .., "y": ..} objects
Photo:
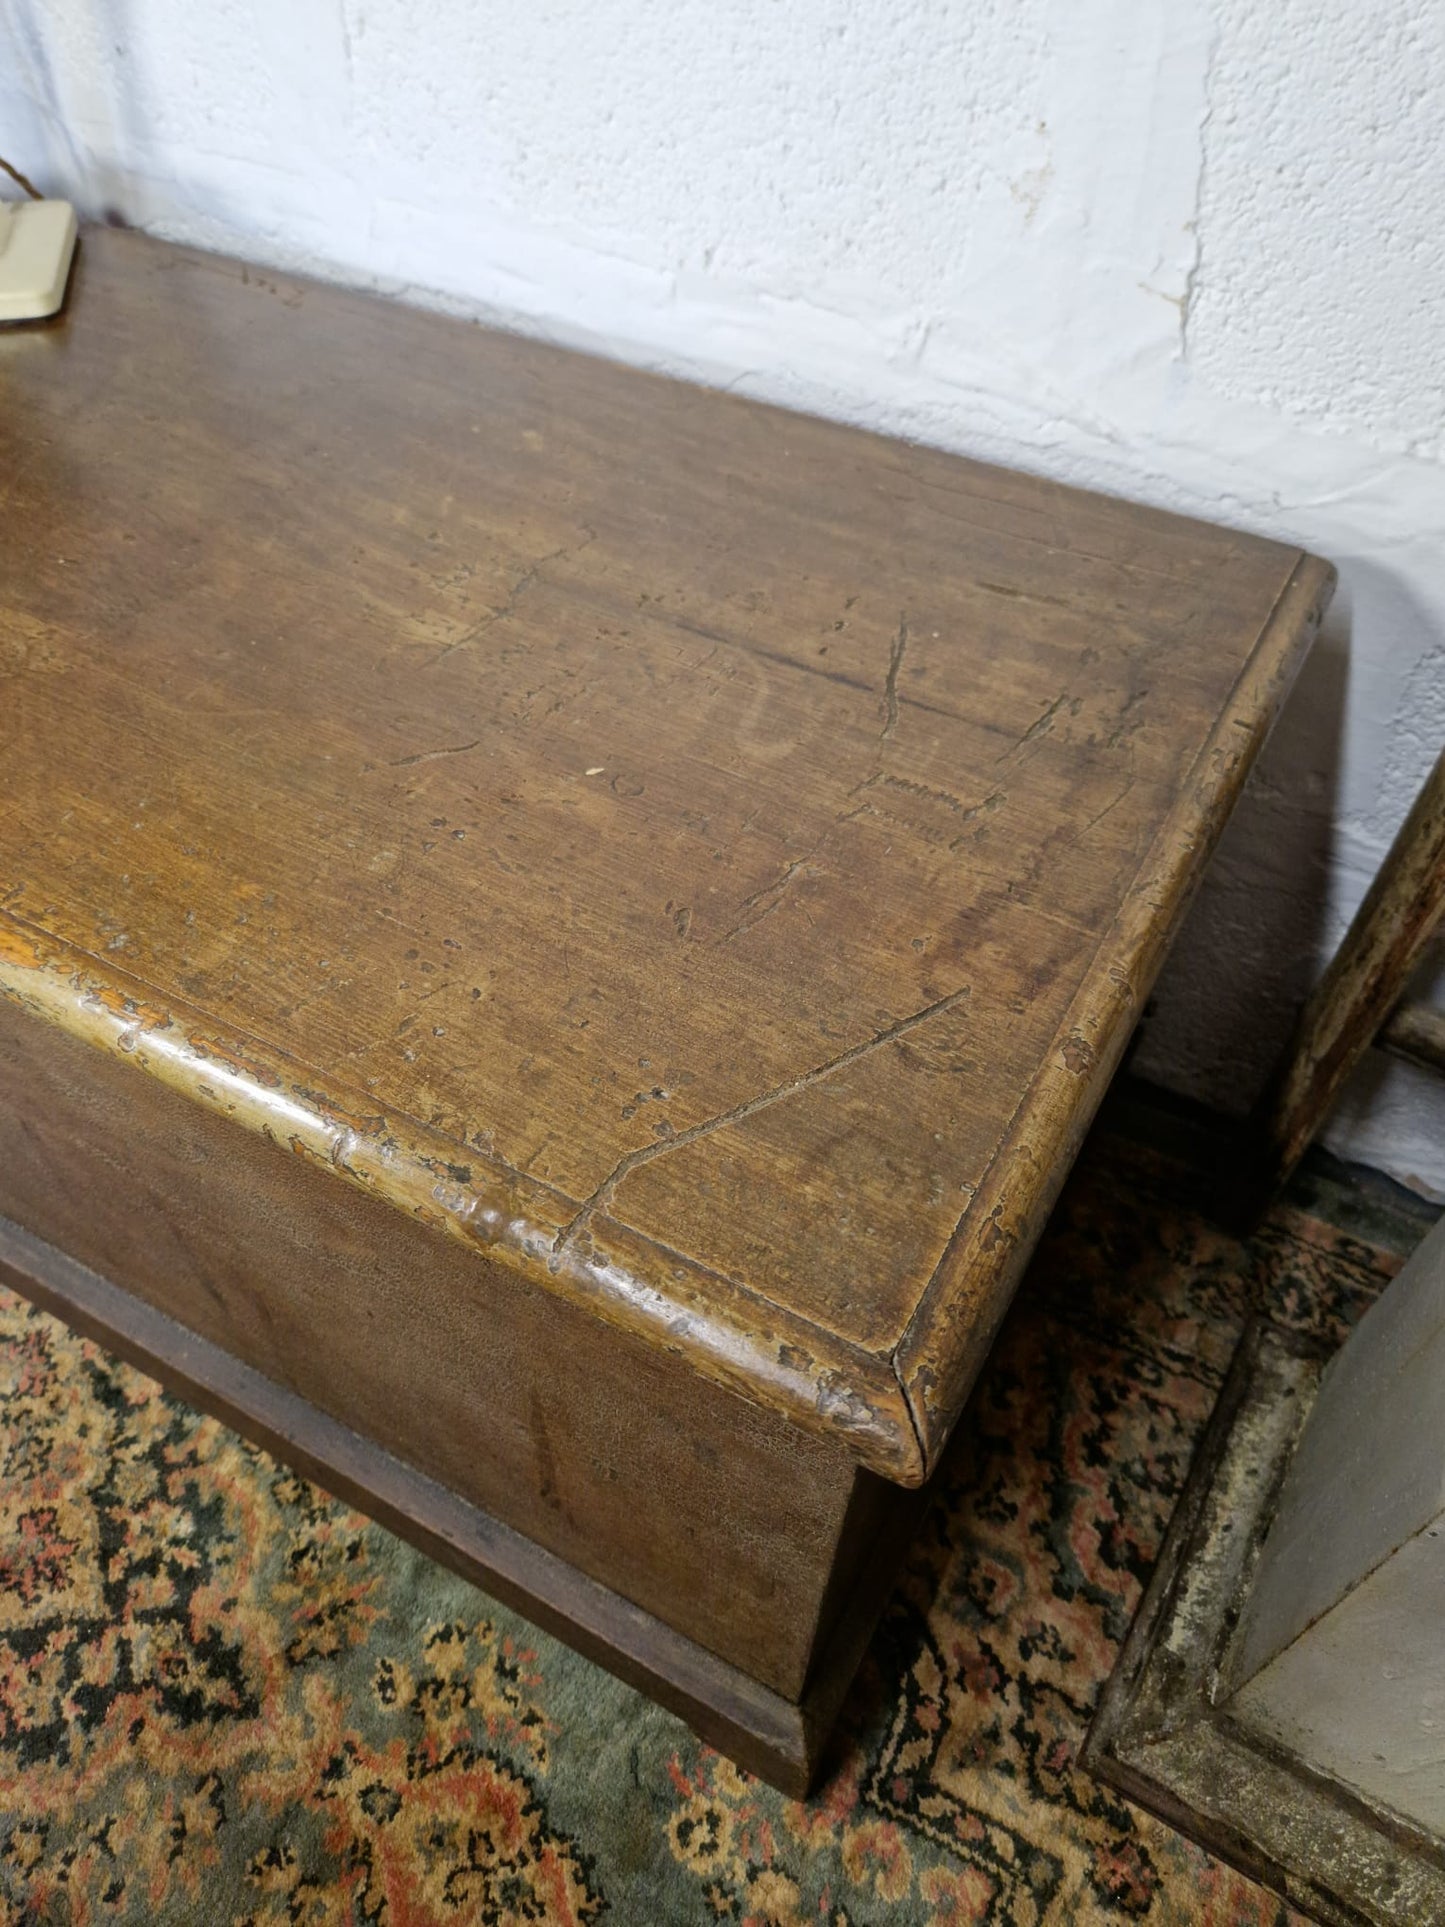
[{"x": 225, "y": 1698}]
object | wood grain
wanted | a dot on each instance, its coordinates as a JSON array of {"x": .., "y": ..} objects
[{"x": 709, "y": 859}]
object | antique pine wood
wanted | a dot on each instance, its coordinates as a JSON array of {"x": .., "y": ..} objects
[{"x": 689, "y": 869}]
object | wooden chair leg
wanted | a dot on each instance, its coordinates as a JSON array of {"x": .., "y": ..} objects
[{"x": 1354, "y": 998}]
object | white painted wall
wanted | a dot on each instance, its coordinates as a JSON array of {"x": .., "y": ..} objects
[{"x": 1186, "y": 250}]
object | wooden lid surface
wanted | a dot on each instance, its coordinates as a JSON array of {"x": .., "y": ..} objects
[{"x": 711, "y": 857}]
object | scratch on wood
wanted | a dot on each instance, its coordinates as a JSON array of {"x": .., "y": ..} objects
[
  {"x": 431, "y": 755},
  {"x": 1112, "y": 804},
  {"x": 963, "y": 812},
  {"x": 762, "y": 903},
  {"x": 1127, "y": 723},
  {"x": 647, "y": 1152},
  {"x": 927, "y": 793},
  {"x": 1042, "y": 724},
  {"x": 890, "y": 686},
  {"x": 525, "y": 581},
  {"x": 1023, "y": 595}
]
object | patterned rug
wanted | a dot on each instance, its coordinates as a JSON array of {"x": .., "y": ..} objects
[{"x": 225, "y": 1698}]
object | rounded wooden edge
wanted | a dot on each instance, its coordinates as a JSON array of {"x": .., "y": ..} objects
[
  {"x": 729, "y": 1337},
  {"x": 953, "y": 1325}
]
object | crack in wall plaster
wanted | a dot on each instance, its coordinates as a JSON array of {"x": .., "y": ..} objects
[
  {"x": 1194, "y": 274},
  {"x": 348, "y": 60}
]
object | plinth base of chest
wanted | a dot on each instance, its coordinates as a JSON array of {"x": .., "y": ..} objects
[{"x": 698, "y": 1546}]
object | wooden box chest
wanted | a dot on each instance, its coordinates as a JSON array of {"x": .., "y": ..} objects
[{"x": 560, "y": 931}]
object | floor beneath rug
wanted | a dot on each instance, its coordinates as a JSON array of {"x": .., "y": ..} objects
[{"x": 224, "y": 1698}]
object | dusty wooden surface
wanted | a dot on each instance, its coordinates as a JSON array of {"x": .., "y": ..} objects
[
  {"x": 710, "y": 858},
  {"x": 1358, "y": 992}
]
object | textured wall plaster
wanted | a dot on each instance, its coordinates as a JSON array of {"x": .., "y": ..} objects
[
  {"x": 1186, "y": 253},
  {"x": 1326, "y": 276}
]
